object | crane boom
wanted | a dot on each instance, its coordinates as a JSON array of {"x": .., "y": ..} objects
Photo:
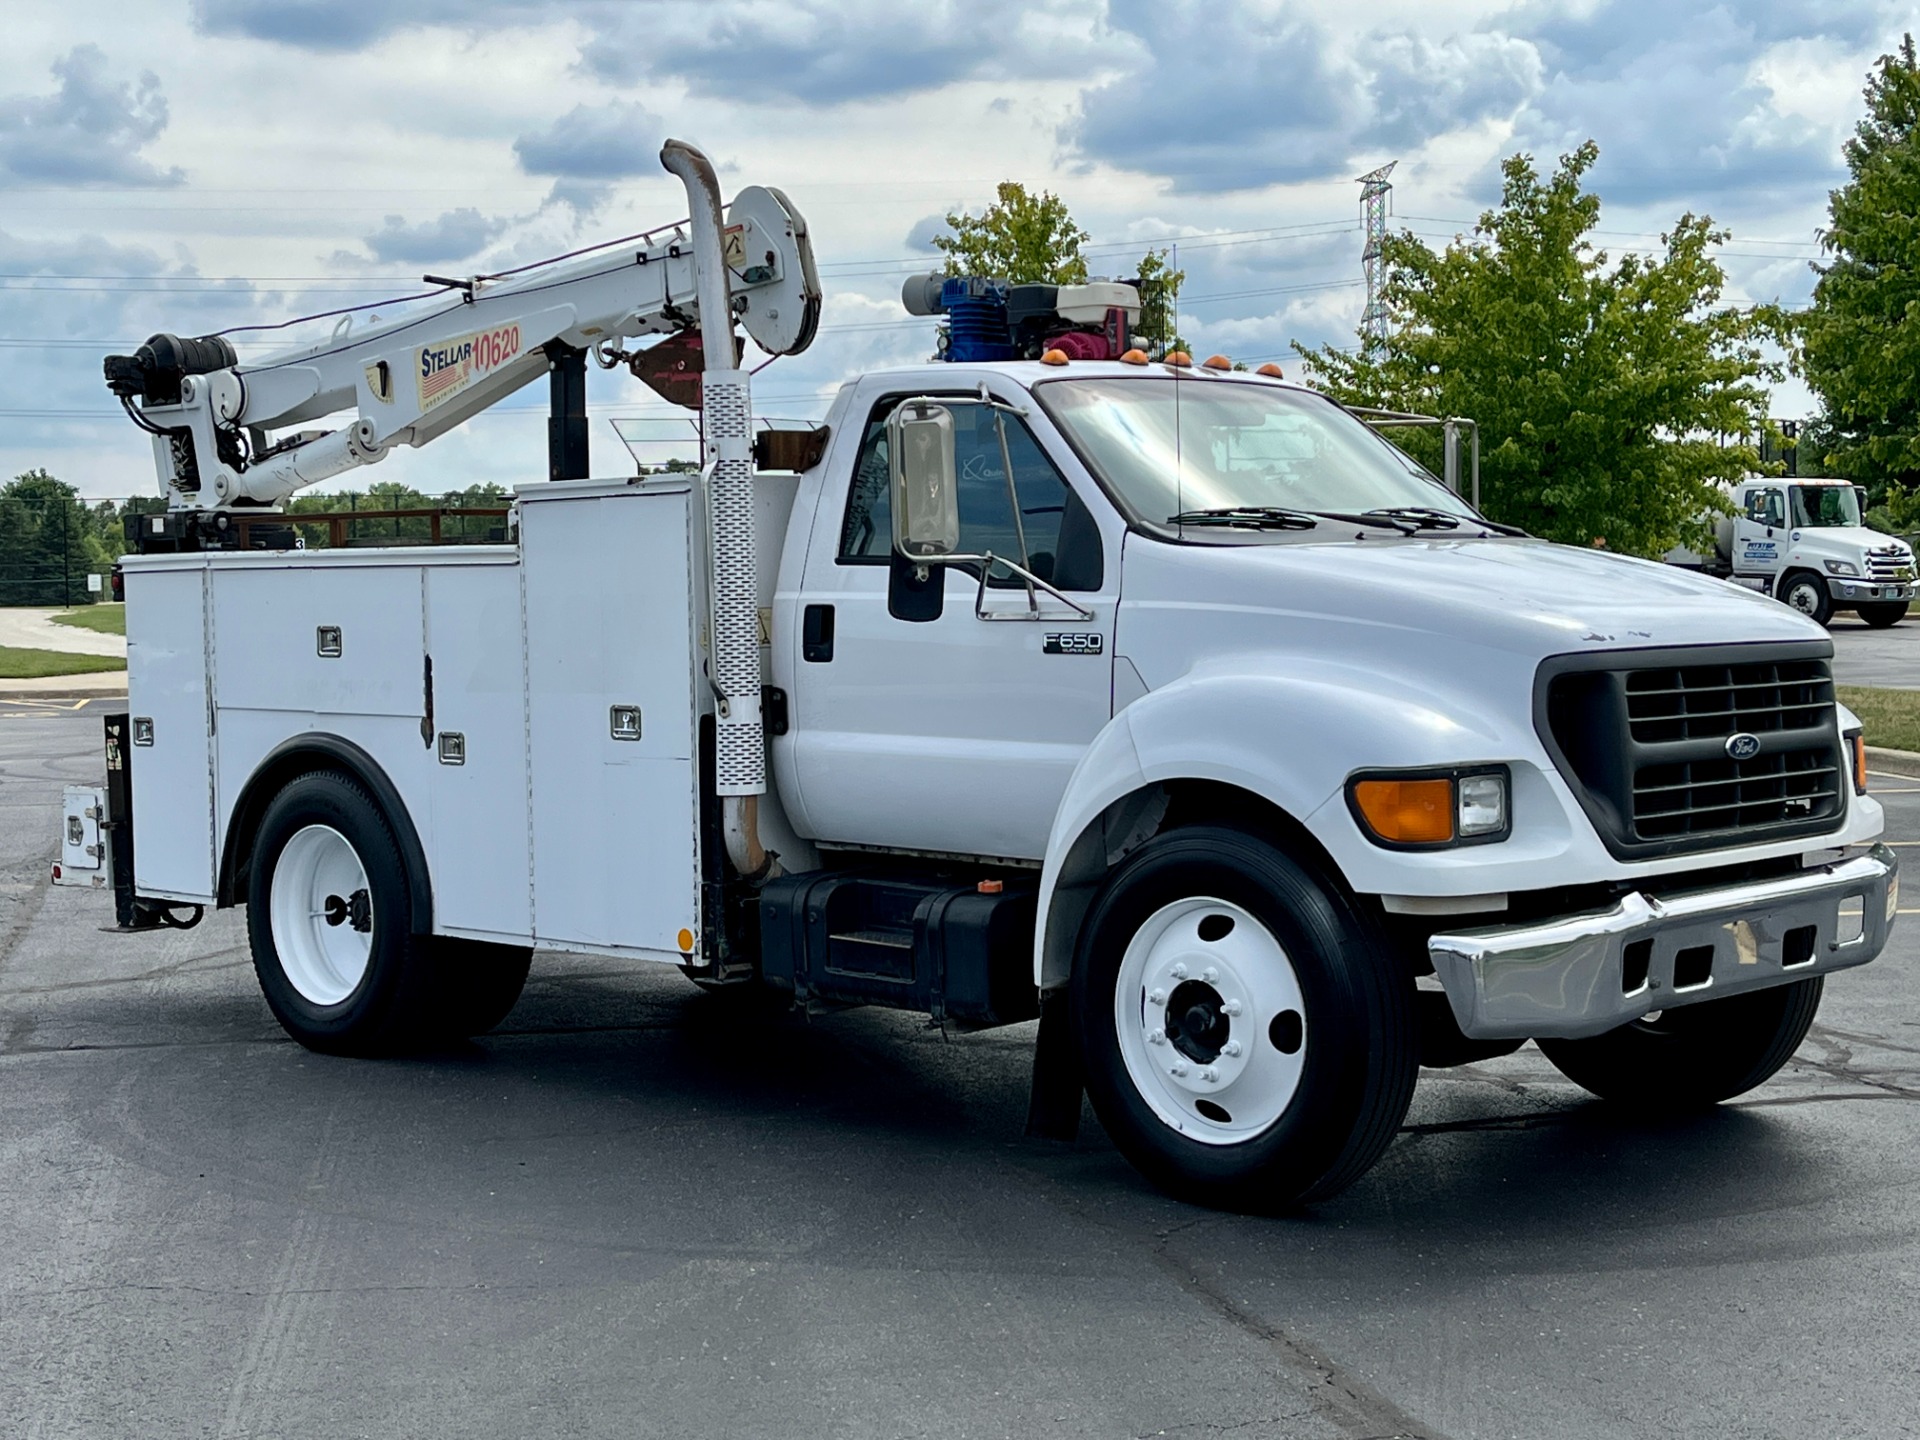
[{"x": 417, "y": 376}]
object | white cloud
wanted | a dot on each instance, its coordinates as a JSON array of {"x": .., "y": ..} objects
[{"x": 90, "y": 130}]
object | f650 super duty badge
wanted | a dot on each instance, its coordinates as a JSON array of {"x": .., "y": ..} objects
[
  {"x": 1082, "y": 642},
  {"x": 445, "y": 369}
]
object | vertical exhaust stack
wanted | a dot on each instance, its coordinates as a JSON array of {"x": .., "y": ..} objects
[{"x": 740, "y": 768}]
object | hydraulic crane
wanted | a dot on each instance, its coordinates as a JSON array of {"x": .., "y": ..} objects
[{"x": 413, "y": 378}]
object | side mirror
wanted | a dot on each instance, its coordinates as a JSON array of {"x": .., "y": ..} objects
[{"x": 926, "y": 494}]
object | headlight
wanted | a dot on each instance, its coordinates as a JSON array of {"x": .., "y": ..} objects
[
  {"x": 1426, "y": 810},
  {"x": 1842, "y": 567}
]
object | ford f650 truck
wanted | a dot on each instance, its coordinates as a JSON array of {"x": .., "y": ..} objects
[{"x": 1165, "y": 703}]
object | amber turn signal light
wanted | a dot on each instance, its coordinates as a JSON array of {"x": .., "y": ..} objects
[
  {"x": 1859, "y": 762},
  {"x": 1407, "y": 812}
]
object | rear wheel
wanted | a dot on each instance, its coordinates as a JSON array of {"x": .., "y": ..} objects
[
  {"x": 1694, "y": 1056},
  {"x": 1248, "y": 1041},
  {"x": 329, "y": 920},
  {"x": 1807, "y": 593},
  {"x": 1883, "y": 614}
]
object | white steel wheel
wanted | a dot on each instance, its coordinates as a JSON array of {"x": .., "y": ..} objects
[
  {"x": 1210, "y": 1021},
  {"x": 1808, "y": 594},
  {"x": 322, "y": 915},
  {"x": 1245, "y": 1033}
]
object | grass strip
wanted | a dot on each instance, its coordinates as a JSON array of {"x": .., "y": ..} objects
[
  {"x": 19, "y": 663},
  {"x": 1890, "y": 717},
  {"x": 106, "y": 619}
]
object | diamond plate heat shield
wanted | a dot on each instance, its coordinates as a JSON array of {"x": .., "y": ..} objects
[{"x": 740, "y": 755}]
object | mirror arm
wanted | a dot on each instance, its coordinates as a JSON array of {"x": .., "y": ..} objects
[
  {"x": 986, "y": 561},
  {"x": 1013, "y": 504}
]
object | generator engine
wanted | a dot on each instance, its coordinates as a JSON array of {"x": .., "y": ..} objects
[{"x": 990, "y": 319}]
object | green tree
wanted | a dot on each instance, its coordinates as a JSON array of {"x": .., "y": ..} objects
[
  {"x": 1604, "y": 390},
  {"x": 19, "y": 550},
  {"x": 1860, "y": 339},
  {"x": 61, "y": 548},
  {"x": 1024, "y": 238},
  {"x": 1159, "y": 301}
]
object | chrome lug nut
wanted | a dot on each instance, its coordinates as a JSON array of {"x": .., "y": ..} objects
[
  {"x": 1232, "y": 1007},
  {"x": 1230, "y": 1049},
  {"x": 1179, "y": 972},
  {"x": 1209, "y": 1075},
  {"x": 1209, "y": 974},
  {"x": 1179, "y": 1072},
  {"x": 1156, "y": 1037},
  {"x": 1156, "y": 997}
]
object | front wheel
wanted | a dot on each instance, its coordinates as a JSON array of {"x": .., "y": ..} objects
[
  {"x": 1807, "y": 593},
  {"x": 1883, "y": 614},
  {"x": 1695, "y": 1056},
  {"x": 1248, "y": 1041}
]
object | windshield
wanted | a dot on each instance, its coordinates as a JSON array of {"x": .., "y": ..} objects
[
  {"x": 1234, "y": 446},
  {"x": 1819, "y": 507}
]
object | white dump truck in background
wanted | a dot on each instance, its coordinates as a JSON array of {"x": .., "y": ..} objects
[
  {"x": 1803, "y": 541},
  {"x": 1166, "y": 703}
]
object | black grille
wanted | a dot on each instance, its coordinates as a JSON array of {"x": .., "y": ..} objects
[{"x": 1643, "y": 738}]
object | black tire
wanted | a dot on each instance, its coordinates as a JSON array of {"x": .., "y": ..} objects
[
  {"x": 1360, "y": 1051},
  {"x": 387, "y": 1009},
  {"x": 1806, "y": 592},
  {"x": 1695, "y": 1056},
  {"x": 1883, "y": 613},
  {"x": 479, "y": 984}
]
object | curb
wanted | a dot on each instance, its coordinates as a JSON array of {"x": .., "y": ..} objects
[
  {"x": 13, "y": 694},
  {"x": 1893, "y": 762}
]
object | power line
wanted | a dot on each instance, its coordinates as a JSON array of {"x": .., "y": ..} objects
[{"x": 325, "y": 284}]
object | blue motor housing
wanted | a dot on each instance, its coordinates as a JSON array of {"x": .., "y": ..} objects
[{"x": 976, "y": 310}]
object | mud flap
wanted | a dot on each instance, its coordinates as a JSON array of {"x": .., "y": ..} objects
[{"x": 1053, "y": 1107}]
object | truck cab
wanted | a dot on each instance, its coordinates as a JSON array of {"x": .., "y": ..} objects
[{"x": 1803, "y": 541}]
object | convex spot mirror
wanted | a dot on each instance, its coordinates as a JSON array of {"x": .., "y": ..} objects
[{"x": 926, "y": 495}]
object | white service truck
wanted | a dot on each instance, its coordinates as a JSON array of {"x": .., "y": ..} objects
[
  {"x": 1166, "y": 703},
  {"x": 1803, "y": 542}
]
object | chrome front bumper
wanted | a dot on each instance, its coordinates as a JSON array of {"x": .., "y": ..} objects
[
  {"x": 1588, "y": 973},
  {"x": 1889, "y": 591}
]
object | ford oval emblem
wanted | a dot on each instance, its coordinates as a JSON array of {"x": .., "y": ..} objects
[{"x": 1742, "y": 746}]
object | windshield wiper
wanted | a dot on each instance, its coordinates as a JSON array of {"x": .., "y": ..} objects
[
  {"x": 1251, "y": 517},
  {"x": 1424, "y": 517},
  {"x": 1421, "y": 517},
  {"x": 1380, "y": 520}
]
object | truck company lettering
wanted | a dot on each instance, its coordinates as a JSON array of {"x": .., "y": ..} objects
[{"x": 446, "y": 369}]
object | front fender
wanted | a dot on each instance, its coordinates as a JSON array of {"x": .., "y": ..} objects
[{"x": 1289, "y": 738}]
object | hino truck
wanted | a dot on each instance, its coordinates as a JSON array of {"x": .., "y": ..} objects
[
  {"x": 1803, "y": 542},
  {"x": 1166, "y": 704}
]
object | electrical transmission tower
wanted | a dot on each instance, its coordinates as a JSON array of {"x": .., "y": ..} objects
[{"x": 1376, "y": 198}]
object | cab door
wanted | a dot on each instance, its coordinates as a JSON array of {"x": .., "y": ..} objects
[
  {"x": 1759, "y": 534},
  {"x": 918, "y": 724}
]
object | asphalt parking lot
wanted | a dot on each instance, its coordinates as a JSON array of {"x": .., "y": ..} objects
[{"x": 635, "y": 1211}]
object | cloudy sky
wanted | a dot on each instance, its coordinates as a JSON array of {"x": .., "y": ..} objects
[{"x": 186, "y": 165}]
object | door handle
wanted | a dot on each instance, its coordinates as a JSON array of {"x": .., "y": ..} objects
[{"x": 816, "y": 634}]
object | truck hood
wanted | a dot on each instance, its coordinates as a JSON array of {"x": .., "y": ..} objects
[
  {"x": 1845, "y": 540},
  {"x": 1523, "y": 596}
]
